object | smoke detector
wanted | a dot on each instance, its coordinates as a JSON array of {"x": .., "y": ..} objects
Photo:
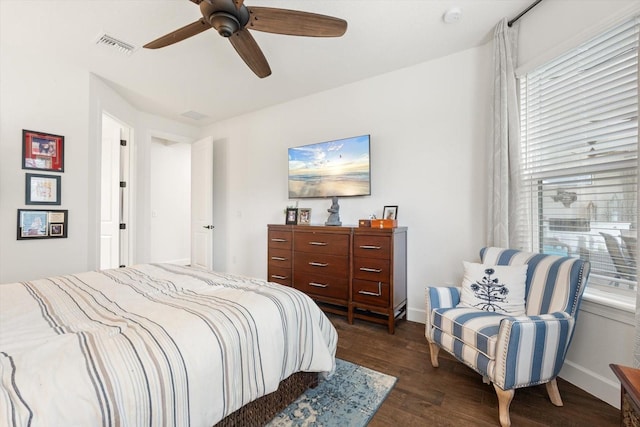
[{"x": 452, "y": 15}]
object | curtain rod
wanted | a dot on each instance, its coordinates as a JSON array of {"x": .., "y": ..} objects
[{"x": 513, "y": 21}]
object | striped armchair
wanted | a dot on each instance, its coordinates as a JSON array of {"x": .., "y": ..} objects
[{"x": 512, "y": 352}]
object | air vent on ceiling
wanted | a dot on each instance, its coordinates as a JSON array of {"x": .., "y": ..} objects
[
  {"x": 194, "y": 115},
  {"x": 114, "y": 43}
]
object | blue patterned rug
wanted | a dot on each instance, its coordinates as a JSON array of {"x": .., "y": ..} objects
[{"x": 349, "y": 398}]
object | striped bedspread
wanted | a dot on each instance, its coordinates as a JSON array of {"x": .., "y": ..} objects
[{"x": 151, "y": 345}]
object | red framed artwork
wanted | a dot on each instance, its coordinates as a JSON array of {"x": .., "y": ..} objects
[{"x": 42, "y": 151}]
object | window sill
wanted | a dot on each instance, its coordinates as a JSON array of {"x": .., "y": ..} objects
[{"x": 609, "y": 305}]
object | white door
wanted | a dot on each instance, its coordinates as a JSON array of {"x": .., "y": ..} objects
[
  {"x": 202, "y": 203},
  {"x": 110, "y": 194}
]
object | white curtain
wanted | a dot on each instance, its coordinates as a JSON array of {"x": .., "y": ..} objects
[{"x": 504, "y": 141}]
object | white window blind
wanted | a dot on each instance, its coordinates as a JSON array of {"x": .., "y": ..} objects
[{"x": 579, "y": 118}]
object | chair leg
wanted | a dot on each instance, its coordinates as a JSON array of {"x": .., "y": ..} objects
[
  {"x": 553, "y": 392},
  {"x": 434, "y": 349},
  {"x": 504, "y": 401}
]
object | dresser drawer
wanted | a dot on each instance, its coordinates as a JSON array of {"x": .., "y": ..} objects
[
  {"x": 279, "y": 239},
  {"x": 375, "y": 269},
  {"x": 280, "y": 275},
  {"x": 320, "y": 263},
  {"x": 280, "y": 257},
  {"x": 321, "y": 243},
  {"x": 371, "y": 293},
  {"x": 372, "y": 246},
  {"x": 321, "y": 285}
]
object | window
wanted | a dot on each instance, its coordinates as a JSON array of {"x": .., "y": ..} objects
[{"x": 579, "y": 117}]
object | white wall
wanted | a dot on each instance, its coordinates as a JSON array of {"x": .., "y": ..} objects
[
  {"x": 427, "y": 126},
  {"x": 170, "y": 201},
  {"x": 51, "y": 100}
]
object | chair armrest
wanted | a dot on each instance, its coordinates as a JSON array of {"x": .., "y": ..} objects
[
  {"x": 439, "y": 297},
  {"x": 531, "y": 350}
]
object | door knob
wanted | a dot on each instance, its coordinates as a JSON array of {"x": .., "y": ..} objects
[{"x": 210, "y": 227}]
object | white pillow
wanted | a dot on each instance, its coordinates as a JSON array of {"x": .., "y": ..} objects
[{"x": 495, "y": 288}]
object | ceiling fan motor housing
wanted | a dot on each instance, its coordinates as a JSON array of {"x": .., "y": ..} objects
[{"x": 224, "y": 16}]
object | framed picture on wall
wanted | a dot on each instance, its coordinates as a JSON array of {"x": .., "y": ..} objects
[
  {"x": 42, "y": 224},
  {"x": 42, "y": 151},
  {"x": 42, "y": 189}
]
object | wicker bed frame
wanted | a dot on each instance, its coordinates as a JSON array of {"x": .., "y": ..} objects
[{"x": 262, "y": 410}]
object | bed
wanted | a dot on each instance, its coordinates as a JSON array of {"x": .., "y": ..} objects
[{"x": 153, "y": 344}]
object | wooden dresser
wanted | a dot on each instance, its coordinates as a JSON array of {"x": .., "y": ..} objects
[
  {"x": 359, "y": 272},
  {"x": 629, "y": 395}
]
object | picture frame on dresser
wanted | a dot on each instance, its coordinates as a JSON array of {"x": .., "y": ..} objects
[
  {"x": 304, "y": 216},
  {"x": 390, "y": 212},
  {"x": 291, "y": 217}
]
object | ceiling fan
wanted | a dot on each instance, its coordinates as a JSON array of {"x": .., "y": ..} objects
[{"x": 233, "y": 20}]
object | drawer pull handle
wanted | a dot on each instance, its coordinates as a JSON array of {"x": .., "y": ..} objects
[
  {"x": 371, "y": 270},
  {"x": 278, "y": 258},
  {"x": 318, "y": 285},
  {"x": 275, "y": 239},
  {"x": 319, "y": 264},
  {"x": 275, "y": 276},
  {"x": 377, "y": 248},
  {"x": 318, "y": 243},
  {"x": 373, "y": 294}
]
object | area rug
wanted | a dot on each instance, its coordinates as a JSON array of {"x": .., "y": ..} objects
[{"x": 349, "y": 398}]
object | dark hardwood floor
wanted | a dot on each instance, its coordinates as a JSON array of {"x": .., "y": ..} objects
[{"x": 453, "y": 394}]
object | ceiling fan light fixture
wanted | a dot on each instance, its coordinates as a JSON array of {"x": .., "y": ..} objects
[{"x": 225, "y": 23}]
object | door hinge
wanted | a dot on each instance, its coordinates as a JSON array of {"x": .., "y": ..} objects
[
  {"x": 123, "y": 184},
  {"x": 123, "y": 226},
  {"x": 123, "y": 142}
]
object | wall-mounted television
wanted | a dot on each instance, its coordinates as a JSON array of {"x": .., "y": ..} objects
[{"x": 333, "y": 168}]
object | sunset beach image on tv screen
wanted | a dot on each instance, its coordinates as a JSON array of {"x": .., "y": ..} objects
[{"x": 332, "y": 168}]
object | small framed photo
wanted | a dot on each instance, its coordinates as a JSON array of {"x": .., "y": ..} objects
[
  {"x": 56, "y": 230},
  {"x": 304, "y": 216},
  {"x": 390, "y": 212},
  {"x": 292, "y": 216},
  {"x": 42, "y": 151},
  {"x": 42, "y": 189},
  {"x": 42, "y": 224}
]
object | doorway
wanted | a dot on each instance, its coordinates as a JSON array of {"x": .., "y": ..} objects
[{"x": 170, "y": 201}]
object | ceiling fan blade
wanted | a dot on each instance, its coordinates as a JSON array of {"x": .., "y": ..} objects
[
  {"x": 295, "y": 23},
  {"x": 179, "y": 34},
  {"x": 196, "y": 1},
  {"x": 250, "y": 52}
]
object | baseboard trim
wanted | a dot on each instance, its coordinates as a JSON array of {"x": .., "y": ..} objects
[
  {"x": 601, "y": 387},
  {"x": 415, "y": 315}
]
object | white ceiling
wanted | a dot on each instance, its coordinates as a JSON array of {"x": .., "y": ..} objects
[{"x": 204, "y": 73}]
